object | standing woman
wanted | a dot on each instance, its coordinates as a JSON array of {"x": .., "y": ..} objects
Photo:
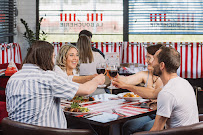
[
  {"x": 88, "y": 58},
  {"x": 67, "y": 64}
]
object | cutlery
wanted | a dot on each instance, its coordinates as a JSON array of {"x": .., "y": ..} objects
[
  {"x": 118, "y": 112},
  {"x": 92, "y": 114},
  {"x": 142, "y": 105}
]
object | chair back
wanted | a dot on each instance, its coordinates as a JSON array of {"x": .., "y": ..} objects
[
  {"x": 11, "y": 127},
  {"x": 194, "y": 129}
]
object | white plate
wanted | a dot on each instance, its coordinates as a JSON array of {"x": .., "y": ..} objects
[{"x": 133, "y": 99}]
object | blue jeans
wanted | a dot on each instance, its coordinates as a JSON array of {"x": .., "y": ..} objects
[{"x": 144, "y": 123}]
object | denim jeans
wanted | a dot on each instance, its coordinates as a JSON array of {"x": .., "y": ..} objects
[{"x": 144, "y": 123}]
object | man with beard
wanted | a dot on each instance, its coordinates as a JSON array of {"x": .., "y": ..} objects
[{"x": 176, "y": 103}]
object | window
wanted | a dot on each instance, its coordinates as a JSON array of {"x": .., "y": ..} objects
[
  {"x": 64, "y": 19},
  {"x": 7, "y": 20},
  {"x": 165, "y": 17}
]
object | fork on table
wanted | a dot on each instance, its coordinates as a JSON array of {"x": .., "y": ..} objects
[{"x": 121, "y": 114}]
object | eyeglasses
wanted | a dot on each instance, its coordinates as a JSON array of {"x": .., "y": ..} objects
[{"x": 147, "y": 58}]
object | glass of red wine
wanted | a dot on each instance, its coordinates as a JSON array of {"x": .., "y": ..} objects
[
  {"x": 101, "y": 68},
  {"x": 113, "y": 71}
]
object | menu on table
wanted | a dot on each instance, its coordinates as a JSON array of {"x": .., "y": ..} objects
[{"x": 112, "y": 58}]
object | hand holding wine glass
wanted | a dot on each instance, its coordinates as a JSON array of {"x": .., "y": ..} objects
[
  {"x": 100, "y": 67},
  {"x": 112, "y": 71}
]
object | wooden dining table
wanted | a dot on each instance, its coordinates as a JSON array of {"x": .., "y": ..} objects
[{"x": 112, "y": 111}]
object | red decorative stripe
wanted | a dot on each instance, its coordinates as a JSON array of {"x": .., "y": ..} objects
[
  {"x": 164, "y": 17},
  {"x": 3, "y": 55},
  {"x": 186, "y": 59},
  {"x": 96, "y": 16},
  {"x": 97, "y": 45},
  {"x": 74, "y": 17},
  {"x": 14, "y": 53},
  {"x": 88, "y": 16},
  {"x": 197, "y": 60},
  {"x": 101, "y": 17},
  {"x": 155, "y": 17},
  {"x": 107, "y": 47},
  {"x": 65, "y": 17},
  {"x": 143, "y": 55},
  {"x": 69, "y": 17},
  {"x": 132, "y": 52},
  {"x": 140, "y": 53},
  {"x": 20, "y": 53},
  {"x": 115, "y": 45},
  {"x": 127, "y": 53},
  {"x": 201, "y": 63},
  {"x": 102, "y": 48},
  {"x": 181, "y": 63},
  {"x": 92, "y": 17},
  {"x": 6, "y": 53},
  {"x": 192, "y": 55},
  {"x": 137, "y": 54},
  {"x": 61, "y": 16},
  {"x": 160, "y": 17},
  {"x": 176, "y": 46}
]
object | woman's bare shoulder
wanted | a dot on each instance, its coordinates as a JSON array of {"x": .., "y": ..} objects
[{"x": 142, "y": 73}]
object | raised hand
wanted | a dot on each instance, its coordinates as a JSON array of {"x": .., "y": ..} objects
[{"x": 100, "y": 79}]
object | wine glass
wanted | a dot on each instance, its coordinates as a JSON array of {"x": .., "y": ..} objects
[
  {"x": 141, "y": 67},
  {"x": 100, "y": 67},
  {"x": 112, "y": 71}
]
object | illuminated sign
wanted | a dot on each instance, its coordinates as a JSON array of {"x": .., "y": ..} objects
[
  {"x": 71, "y": 20},
  {"x": 70, "y": 17},
  {"x": 165, "y": 17}
]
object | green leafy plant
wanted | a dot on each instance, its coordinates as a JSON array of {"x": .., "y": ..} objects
[
  {"x": 75, "y": 105},
  {"x": 30, "y": 35}
]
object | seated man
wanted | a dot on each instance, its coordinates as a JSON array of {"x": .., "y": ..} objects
[{"x": 176, "y": 102}]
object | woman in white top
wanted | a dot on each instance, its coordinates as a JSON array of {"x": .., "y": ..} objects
[
  {"x": 88, "y": 58},
  {"x": 67, "y": 62}
]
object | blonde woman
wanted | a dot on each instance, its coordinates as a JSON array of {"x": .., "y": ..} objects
[{"x": 67, "y": 64}]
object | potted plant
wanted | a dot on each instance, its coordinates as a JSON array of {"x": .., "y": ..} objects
[{"x": 30, "y": 36}]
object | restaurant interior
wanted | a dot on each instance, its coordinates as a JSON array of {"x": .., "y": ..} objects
[{"x": 122, "y": 31}]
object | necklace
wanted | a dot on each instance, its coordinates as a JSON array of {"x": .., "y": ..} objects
[{"x": 154, "y": 81}]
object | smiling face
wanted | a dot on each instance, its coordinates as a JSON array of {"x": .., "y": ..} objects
[
  {"x": 72, "y": 59},
  {"x": 149, "y": 59}
]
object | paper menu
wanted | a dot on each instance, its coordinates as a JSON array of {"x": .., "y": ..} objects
[{"x": 112, "y": 58}]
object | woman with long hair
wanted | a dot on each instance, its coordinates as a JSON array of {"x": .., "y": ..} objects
[{"x": 88, "y": 59}]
